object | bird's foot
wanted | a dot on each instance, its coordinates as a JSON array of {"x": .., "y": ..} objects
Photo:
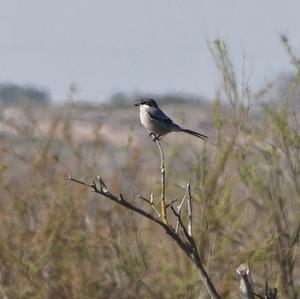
[{"x": 154, "y": 137}]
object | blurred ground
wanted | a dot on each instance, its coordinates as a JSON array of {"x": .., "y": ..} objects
[{"x": 58, "y": 240}]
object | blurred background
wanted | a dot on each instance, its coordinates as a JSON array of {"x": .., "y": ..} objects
[
  {"x": 70, "y": 71},
  {"x": 107, "y": 47}
]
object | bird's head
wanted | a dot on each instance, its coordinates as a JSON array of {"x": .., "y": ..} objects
[{"x": 146, "y": 102}]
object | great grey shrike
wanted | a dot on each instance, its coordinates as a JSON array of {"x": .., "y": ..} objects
[{"x": 157, "y": 123}]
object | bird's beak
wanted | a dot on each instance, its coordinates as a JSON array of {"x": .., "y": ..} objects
[{"x": 137, "y": 104}]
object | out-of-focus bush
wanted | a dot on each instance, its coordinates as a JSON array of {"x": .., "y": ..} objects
[{"x": 14, "y": 94}]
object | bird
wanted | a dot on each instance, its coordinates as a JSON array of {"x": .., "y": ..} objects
[{"x": 157, "y": 122}]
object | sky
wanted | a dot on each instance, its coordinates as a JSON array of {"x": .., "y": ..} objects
[{"x": 136, "y": 46}]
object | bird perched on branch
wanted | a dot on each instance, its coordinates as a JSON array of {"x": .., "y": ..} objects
[{"x": 157, "y": 123}]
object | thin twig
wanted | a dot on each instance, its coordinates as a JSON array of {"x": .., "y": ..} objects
[
  {"x": 179, "y": 207},
  {"x": 93, "y": 186},
  {"x": 170, "y": 203},
  {"x": 163, "y": 183},
  {"x": 190, "y": 208},
  {"x": 150, "y": 202},
  {"x": 182, "y": 225}
]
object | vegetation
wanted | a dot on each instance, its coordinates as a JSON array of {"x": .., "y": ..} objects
[
  {"x": 59, "y": 241},
  {"x": 14, "y": 94}
]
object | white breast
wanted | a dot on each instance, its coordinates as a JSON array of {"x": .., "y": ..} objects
[
  {"x": 144, "y": 116},
  {"x": 153, "y": 126}
]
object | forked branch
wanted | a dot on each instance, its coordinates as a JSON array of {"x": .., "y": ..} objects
[{"x": 188, "y": 245}]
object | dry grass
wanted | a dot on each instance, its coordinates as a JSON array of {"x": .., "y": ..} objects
[{"x": 58, "y": 241}]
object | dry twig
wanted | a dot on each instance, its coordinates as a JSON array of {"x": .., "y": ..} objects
[
  {"x": 246, "y": 284},
  {"x": 163, "y": 183},
  {"x": 179, "y": 208},
  {"x": 190, "y": 208},
  {"x": 150, "y": 202},
  {"x": 188, "y": 246}
]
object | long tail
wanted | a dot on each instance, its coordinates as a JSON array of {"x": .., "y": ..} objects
[{"x": 196, "y": 134}]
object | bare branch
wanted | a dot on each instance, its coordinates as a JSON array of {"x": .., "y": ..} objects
[
  {"x": 189, "y": 248},
  {"x": 190, "y": 208},
  {"x": 150, "y": 202},
  {"x": 93, "y": 186},
  {"x": 121, "y": 196},
  {"x": 246, "y": 284},
  {"x": 170, "y": 203},
  {"x": 179, "y": 207},
  {"x": 163, "y": 183},
  {"x": 102, "y": 185},
  {"x": 181, "y": 223}
]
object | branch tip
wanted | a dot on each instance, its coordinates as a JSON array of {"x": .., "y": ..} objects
[{"x": 121, "y": 197}]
